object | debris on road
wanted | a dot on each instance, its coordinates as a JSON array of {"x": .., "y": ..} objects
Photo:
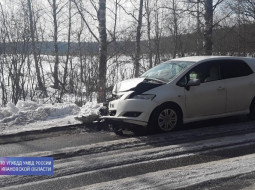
[{"x": 90, "y": 112}]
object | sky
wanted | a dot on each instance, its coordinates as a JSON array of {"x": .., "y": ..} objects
[
  {"x": 123, "y": 20},
  {"x": 126, "y": 24}
]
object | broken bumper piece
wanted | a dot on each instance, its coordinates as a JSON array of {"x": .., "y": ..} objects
[{"x": 123, "y": 120}]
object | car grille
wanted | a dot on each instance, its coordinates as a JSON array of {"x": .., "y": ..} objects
[{"x": 112, "y": 112}]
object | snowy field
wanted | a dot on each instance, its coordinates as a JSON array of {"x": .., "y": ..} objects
[
  {"x": 28, "y": 115},
  {"x": 118, "y": 68}
]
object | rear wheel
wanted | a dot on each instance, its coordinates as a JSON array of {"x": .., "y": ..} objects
[
  {"x": 166, "y": 118},
  {"x": 252, "y": 110}
]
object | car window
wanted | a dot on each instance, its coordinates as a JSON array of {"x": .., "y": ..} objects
[
  {"x": 205, "y": 72},
  {"x": 168, "y": 70},
  {"x": 234, "y": 68},
  {"x": 182, "y": 82}
]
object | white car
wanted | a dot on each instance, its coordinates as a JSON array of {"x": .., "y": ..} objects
[{"x": 185, "y": 90}]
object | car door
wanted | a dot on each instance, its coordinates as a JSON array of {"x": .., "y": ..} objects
[
  {"x": 236, "y": 75},
  {"x": 209, "y": 98}
]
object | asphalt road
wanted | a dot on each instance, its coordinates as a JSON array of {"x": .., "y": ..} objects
[
  {"x": 91, "y": 159},
  {"x": 57, "y": 141}
]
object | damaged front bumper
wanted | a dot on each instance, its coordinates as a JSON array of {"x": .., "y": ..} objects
[
  {"x": 130, "y": 105},
  {"x": 125, "y": 111},
  {"x": 123, "y": 121}
]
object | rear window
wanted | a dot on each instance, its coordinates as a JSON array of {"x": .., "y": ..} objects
[{"x": 234, "y": 68}]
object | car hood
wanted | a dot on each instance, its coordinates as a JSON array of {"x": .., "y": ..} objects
[
  {"x": 126, "y": 85},
  {"x": 138, "y": 85}
]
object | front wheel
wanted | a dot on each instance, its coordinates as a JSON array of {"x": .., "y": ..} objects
[
  {"x": 117, "y": 130},
  {"x": 166, "y": 118}
]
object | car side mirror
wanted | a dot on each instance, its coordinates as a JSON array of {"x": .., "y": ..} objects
[{"x": 192, "y": 82}]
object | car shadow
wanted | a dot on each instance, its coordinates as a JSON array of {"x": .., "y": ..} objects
[
  {"x": 195, "y": 125},
  {"x": 102, "y": 127},
  {"x": 215, "y": 122}
]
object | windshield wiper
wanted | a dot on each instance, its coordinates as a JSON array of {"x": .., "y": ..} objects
[{"x": 156, "y": 80}]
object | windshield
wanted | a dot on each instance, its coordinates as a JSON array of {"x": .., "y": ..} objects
[{"x": 167, "y": 70}]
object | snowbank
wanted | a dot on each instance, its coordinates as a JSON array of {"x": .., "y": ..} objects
[
  {"x": 28, "y": 114},
  {"x": 89, "y": 112},
  {"x": 25, "y": 112}
]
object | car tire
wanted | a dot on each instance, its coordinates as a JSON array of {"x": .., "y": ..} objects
[
  {"x": 165, "y": 118},
  {"x": 117, "y": 130},
  {"x": 140, "y": 131},
  {"x": 252, "y": 110}
]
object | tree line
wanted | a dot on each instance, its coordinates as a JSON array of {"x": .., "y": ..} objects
[{"x": 86, "y": 44}]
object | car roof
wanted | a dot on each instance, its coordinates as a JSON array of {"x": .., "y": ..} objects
[{"x": 207, "y": 58}]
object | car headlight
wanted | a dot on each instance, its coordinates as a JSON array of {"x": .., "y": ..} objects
[{"x": 144, "y": 96}]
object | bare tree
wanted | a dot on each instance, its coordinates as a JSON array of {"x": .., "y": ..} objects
[
  {"x": 4, "y": 99},
  {"x": 158, "y": 31},
  {"x": 208, "y": 16},
  {"x": 209, "y": 24},
  {"x": 174, "y": 27},
  {"x": 101, "y": 39},
  {"x": 198, "y": 14},
  {"x": 34, "y": 49},
  {"x": 102, "y": 51},
  {"x": 148, "y": 11},
  {"x": 65, "y": 74},
  {"x": 138, "y": 39},
  {"x": 56, "y": 10},
  {"x": 248, "y": 7}
]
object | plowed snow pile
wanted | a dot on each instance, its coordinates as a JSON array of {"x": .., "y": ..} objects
[{"x": 28, "y": 115}]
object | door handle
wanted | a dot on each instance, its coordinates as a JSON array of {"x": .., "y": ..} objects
[{"x": 220, "y": 88}]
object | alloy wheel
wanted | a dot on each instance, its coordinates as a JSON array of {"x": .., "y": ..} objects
[{"x": 167, "y": 119}]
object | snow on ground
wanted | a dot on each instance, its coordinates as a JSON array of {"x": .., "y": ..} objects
[
  {"x": 28, "y": 115},
  {"x": 89, "y": 112}
]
